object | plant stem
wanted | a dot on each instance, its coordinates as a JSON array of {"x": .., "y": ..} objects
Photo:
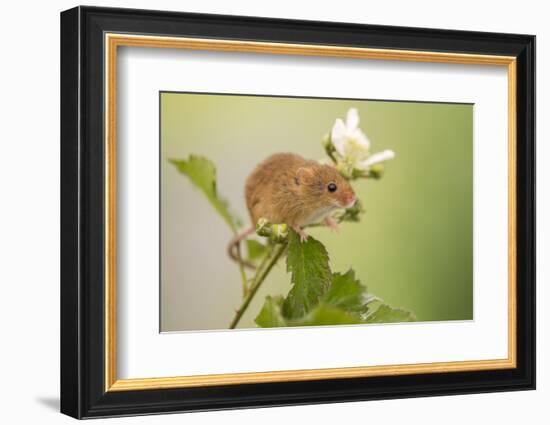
[
  {"x": 241, "y": 269},
  {"x": 268, "y": 262},
  {"x": 331, "y": 155}
]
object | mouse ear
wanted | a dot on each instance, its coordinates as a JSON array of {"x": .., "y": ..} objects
[{"x": 303, "y": 175}]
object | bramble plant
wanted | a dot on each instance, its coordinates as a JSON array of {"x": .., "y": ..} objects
[{"x": 318, "y": 296}]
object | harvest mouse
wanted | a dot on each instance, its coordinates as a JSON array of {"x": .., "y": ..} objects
[{"x": 286, "y": 188}]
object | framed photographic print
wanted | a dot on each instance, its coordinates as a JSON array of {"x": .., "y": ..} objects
[{"x": 261, "y": 212}]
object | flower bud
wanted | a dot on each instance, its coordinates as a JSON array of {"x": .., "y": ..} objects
[
  {"x": 345, "y": 170},
  {"x": 280, "y": 232},
  {"x": 352, "y": 214},
  {"x": 376, "y": 171},
  {"x": 327, "y": 144},
  {"x": 275, "y": 232}
]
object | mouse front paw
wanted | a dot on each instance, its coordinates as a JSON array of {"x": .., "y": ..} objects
[{"x": 332, "y": 224}]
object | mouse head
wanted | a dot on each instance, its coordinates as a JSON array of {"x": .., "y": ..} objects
[{"x": 323, "y": 186}]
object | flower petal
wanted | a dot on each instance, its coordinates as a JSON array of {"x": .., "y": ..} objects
[
  {"x": 338, "y": 136},
  {"x": 360, "y": 139},
  {"x": 377, "y": 158},
  {"x": 352, "y": 119}
]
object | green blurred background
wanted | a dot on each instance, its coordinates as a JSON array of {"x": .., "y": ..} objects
[{"x": 413, "y": 247}]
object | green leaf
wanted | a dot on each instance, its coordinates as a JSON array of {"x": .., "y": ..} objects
[
  {"x": 202, "y": 173},
  {"x": 324, "y": 314},
  {"x": 308, "y": 263},
  {"x": 327, "y": 315},
  {"x": 255, "y": 249},
  {"x": 387, "y": 314},
  {"x": 347, "y": 292},
  {"x": 271, "y": 315},
  {"x": 320, "y": 298}
]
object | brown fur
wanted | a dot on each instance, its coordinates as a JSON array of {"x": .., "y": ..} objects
[{"x": 286, "y": 188}]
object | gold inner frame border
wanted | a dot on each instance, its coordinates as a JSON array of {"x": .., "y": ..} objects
[{"x": 113, "y": 40}]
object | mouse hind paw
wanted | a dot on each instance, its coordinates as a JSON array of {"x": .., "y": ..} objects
[{"x": 303, "y": 235}]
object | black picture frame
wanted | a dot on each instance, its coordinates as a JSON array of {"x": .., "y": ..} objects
[{"x": 83, "y": 392}]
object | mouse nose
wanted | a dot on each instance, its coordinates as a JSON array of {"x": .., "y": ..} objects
[{"x": 349, "y": 200}]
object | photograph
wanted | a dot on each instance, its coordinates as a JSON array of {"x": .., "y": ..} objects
[
  {"x": 301, "y": 211},
  {"x": 269, "y": 211}
]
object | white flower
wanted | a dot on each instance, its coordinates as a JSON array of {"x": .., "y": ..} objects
[
  {"x": 348, "y": 139},
  {"x": 376, "y": 158},
  {"x": 352, "y": 144}
]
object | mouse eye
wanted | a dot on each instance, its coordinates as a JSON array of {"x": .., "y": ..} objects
[{"x": 332, "y": 187}]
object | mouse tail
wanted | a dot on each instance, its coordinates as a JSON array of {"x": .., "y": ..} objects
[{"x": 234, "y": 250}]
